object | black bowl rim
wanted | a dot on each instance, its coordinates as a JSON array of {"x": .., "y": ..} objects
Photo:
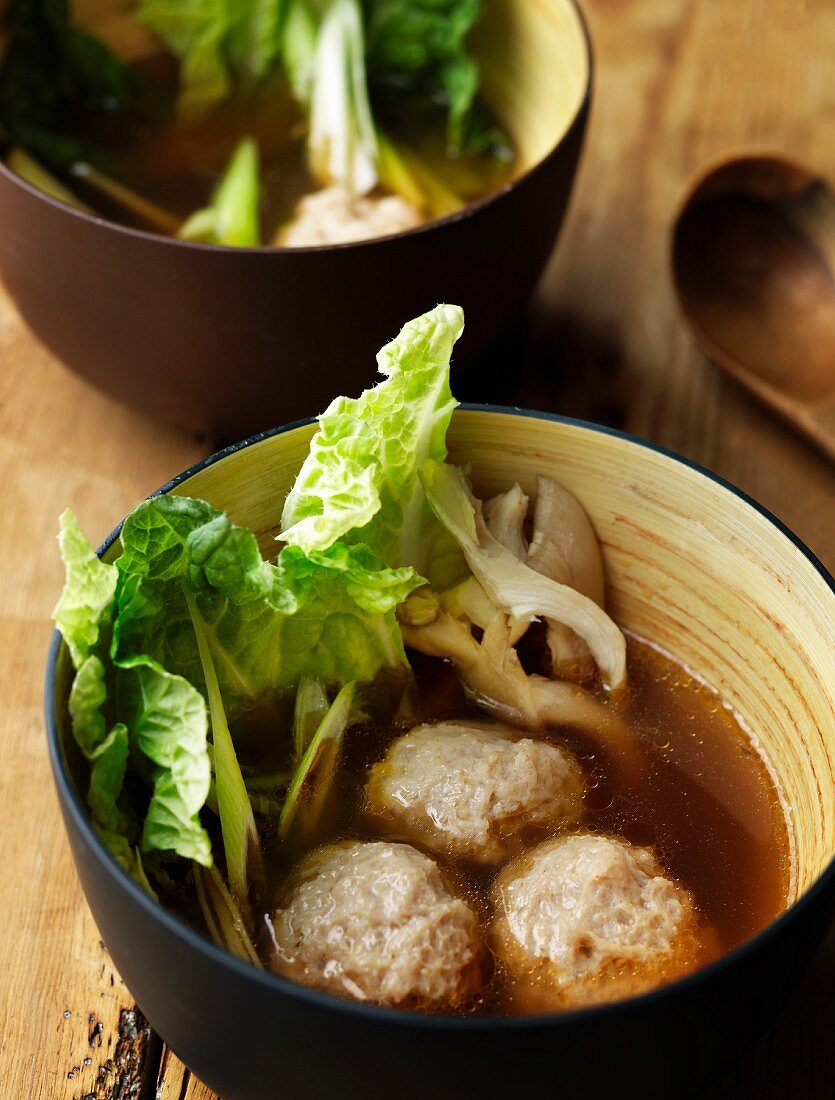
[
  {"x": 463, "y": 214},
  {"x": 71, "y": 801}
]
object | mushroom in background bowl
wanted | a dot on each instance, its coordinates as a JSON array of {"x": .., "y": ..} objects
[
  {"x": 231, "y": 340},
  {"x": 654, "y": 895}
]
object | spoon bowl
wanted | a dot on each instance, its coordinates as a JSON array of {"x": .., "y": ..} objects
[{"x": 753, "y": 256}]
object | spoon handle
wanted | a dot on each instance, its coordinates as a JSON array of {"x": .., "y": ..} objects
[
  {"x": 819, "y": 426},
  {"x": 815, "y": 422}
]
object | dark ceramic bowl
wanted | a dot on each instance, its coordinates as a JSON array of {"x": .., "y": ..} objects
[
  {"x": 231, "y": 341},
  {"x": 693, "y": 565}
]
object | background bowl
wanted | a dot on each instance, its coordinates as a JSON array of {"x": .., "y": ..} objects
[
  {"x": 692, "y": 565},
  {"x": 230, "y": 340}
]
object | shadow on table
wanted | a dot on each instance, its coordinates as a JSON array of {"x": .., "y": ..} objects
[{"x": 557, "y": 364}]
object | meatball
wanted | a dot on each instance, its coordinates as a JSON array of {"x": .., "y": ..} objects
[
  {"x": 376, "y": 922},
  {"x": 584, "y": 919},
  {"x": 336, "y": 216},
  {"x": 471, "y": 790}
]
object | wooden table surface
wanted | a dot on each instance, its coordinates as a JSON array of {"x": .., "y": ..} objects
[{"x": 678, "y": 82}]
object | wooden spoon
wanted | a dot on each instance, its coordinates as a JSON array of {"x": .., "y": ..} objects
[{"x": 753, "y": 255}]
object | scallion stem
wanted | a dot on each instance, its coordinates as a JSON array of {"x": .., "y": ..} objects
[
  {"x": 237, "y": 822},
  {"x": 149, "y": 212}
]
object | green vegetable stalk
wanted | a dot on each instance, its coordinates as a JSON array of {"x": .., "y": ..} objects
[
  {"x": 237, "y": 822},
  {"x": 312, "y": 782},
  {"x": 25, "y": 166},
  {"x": 223, "y": 918},
  {"x": 311, "y": 707},
  {"x": 231, "y": 218},
  {"x": 342, "y": 144}
]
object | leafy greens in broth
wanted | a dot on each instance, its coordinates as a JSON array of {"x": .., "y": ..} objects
[{"x": 245, "y": 108}]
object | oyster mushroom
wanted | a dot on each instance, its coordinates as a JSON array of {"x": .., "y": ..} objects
[
  {"x": 505, "y": 516},
  {"x": 497, "y": 683},
  {"x": 511, "y": 584},
  {"x": 564, "y": 547}
]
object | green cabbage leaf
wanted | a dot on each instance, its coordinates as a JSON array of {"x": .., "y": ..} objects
[
  {"x": 222, "y": 45},
  {"x": 418, "y": 48},
  {"x": 329, "y": 613},
  {"x": 360, "y": 482},
  {"x": 134, "y": 704}
]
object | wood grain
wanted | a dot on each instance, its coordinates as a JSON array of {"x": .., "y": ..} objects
[
  {"x": 60, "y": 444},
  {"x": 678, "y": 83}
]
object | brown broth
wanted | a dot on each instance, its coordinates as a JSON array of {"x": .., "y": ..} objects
[
  {"x": 707, "y": 804},
  {"x": 704, "y": 801}
]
